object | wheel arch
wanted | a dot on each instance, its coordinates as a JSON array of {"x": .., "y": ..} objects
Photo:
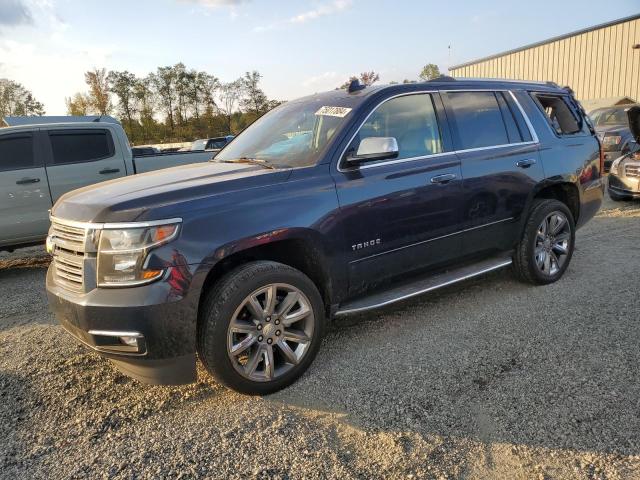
[
  {"x": 303, "y": 252},
  {"x": 564, "y": 192}
]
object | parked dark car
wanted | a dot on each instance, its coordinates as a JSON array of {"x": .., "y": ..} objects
[
  {"x": 613, "y": 131},
  {"x": 336, "y": 203},
  {"x": 211, "y": 144},
  {"x": 141, "y": 151},
  {"x": 624, "y": 178}
]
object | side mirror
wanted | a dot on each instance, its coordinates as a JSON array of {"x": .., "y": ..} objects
[
  {"x": 634, "y": 122},
  {"x": 374, "y": 148}
]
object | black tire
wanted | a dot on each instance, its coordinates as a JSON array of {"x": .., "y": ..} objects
[
  {"x": 219, "y": 306},
  {"x": 617, "y": 198},
  {"x": 524, "y": 258}
]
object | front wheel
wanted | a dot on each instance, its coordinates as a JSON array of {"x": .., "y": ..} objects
[
  {"x": 547, "y": 244},
  {"x": 260, "y": 327}
]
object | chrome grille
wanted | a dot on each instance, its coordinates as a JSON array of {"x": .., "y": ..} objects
[
  {"x": 70, "y": 238},
  {"x": 632, "y": 171},
  {"x": 69, "y": 268},
  {"x": 68, "y": 243}
]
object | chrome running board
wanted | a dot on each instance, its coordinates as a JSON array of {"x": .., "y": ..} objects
[{"x": 422, "y": 284}]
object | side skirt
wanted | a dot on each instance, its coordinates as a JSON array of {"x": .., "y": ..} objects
[{"x": 422, "y": 284}]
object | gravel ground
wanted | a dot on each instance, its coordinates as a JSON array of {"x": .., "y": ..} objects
[{"x": 487, "y": 379}]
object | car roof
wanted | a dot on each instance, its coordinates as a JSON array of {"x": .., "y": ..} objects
[
  {"x": 342, "y": 96},
  {"x": 626, "y": 106},
  {"x": 66, "y": 125}
]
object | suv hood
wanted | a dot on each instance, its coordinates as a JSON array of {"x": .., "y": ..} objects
[{"x": 129, "y": 198}]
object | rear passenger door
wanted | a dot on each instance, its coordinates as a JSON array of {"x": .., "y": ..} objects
[
  {"x": 24, "y": 192},
  {"x": 399, "y": 215},
  {"x": 80, "y": 157},
  {"x": 500, "y": 165}
]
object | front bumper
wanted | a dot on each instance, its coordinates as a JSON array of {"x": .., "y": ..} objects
[
  {"x": 164, "y": 328},
  {"x": 624, "y": 186}
]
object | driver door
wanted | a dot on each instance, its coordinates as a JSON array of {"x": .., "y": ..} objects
[{"x": 399, "y": 215}]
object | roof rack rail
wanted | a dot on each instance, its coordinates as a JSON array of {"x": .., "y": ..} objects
[
  {"x": 493, "y": 79},
  {"x": 443, "y": 78}
]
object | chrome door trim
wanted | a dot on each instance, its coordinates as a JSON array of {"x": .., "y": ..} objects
[
  {"x": 535, "y": 140},
  {"x": 430, "y": 240}
]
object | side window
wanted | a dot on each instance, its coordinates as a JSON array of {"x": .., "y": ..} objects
[
  {"x": 513, "y": 132},
  {"x": 525, "y": 133},
  {"x": 478, "y": 120},
  {"x": 410, "y": 119},
  {"x": 75, "y": 146},
  {"x": 16, "y": 152},
  {"x": 561, "y": 118}
]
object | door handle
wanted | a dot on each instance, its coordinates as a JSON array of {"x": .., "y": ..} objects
[
  {"x": 526, "y": 163},
  {"x": 108, "y": 170},
  {"x": 444, "y": 178},
  {"x": 24, "y": 181}
]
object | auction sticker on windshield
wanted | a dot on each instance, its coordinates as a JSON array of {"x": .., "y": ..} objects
[{"x": 334, "y": 111}]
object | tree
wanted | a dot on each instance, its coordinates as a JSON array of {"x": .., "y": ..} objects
[
  {"x": 145, "y": 103},
  {"x": 122, "y": 84},
  {"x": 164, "y": 82},
  {"x": 99, "y": 100},
  {"x": 230, "y": 94},
  {"x": 369, "y": 78},
  {"x": 429, "y": 72},
  {"x": 79, "y": 104},
  {"x": 254, "y": 99},
  {"x": 15, "y": 100}
]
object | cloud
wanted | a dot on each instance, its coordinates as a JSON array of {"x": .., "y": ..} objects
[
  {"x": 14, "y": 12},
  {"x": 336, "y": 6},
  {"x": 321, "y": 11},
  {"x": 323, "y": 79},
  {"x": 216, "y": 3}
]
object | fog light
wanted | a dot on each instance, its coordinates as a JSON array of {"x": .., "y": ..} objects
[
  {"x": 122, "y": 342},
  {"x": 130, "y": 341},
  {"x": 49, "y": 245}
]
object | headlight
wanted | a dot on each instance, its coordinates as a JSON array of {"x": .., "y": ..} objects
[{"x": 122, "y": 254}]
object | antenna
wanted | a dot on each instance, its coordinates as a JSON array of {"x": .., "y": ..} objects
[{"x": 355, "y": 86}]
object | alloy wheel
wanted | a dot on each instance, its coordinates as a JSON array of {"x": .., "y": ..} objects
[
  {"x": 270, "y": 332},
  {"x": 552, "y": 245}
]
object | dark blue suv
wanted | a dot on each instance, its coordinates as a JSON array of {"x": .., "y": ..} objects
[{"x": 336, "y": 203}]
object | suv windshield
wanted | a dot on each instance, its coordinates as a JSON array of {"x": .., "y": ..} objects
[
  {"x": 610, "y": 116},
  {"x": 291, "y": 135}
]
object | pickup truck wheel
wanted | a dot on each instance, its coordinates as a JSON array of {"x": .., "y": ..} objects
[
  {"x": 260, "y": 327},
  {"x": 546, "y": 247}
]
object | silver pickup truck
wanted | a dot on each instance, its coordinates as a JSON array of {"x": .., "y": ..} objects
[{"x": 40, "y": 163}]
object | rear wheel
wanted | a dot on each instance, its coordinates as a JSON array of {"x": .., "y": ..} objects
[
  {"x": 547, "y": 244},
  {"x": 261, "y": 327}
]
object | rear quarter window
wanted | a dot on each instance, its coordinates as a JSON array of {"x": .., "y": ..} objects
[
  {"x": 76, "y": 146},
  {"x": 562, "y": 119}
]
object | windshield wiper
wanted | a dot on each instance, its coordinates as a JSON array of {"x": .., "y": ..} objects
[{"x": 252, "y": 161}]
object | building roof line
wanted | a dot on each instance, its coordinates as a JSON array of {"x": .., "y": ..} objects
[{"x": 548, "y": 40}]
